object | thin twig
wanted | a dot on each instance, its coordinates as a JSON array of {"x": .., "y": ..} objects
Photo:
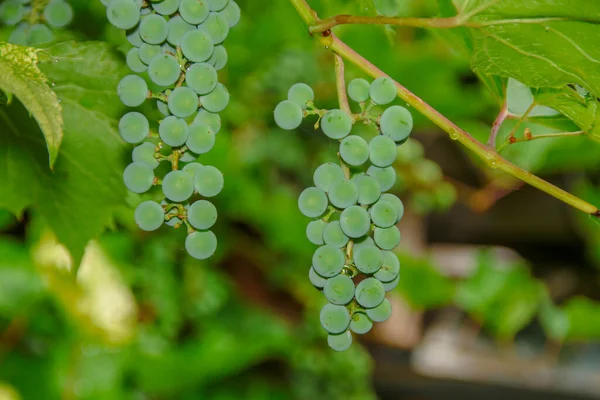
[
  {"x": 341, "y": 85},
  {"x": 497, "y": 125}
]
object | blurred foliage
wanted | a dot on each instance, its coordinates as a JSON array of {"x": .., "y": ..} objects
[{"x": 143, "y": 321}]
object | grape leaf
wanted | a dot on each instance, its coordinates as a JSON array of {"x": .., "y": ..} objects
[
  {"x": 76, "y": 200},
  {"x": 539, "y": 43},
  {"x": 21, "y": 77}
]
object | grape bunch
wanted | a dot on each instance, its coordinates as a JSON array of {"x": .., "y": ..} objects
[
  {"x": 353, "y": 218},
  {"x": 177, "y": 51},
  {"x": 34, "y": 20}
]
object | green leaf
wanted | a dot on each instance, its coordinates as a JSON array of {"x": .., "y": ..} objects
[
  {"x": 20, "y": 75},
  {"x": 77, "y": 200},
  {"x": 539, "y": 43},
  {"x": 418, "y": 274}
]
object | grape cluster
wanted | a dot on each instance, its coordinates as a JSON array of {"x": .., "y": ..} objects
[
  {"x": 33, "y": 20},
  {"x": 176, "y": 55},
  {"x": 354, "y": 219}
]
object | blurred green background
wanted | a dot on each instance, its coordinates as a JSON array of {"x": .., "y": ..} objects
[{"x": 498, "y": 284}]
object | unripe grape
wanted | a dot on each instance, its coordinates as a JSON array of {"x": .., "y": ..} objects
[
  {"x": 382, "y": 91},
  {"x": 149, "y": 216},
  {"x": 202, "y": 215},
  {"x": 301, "y": 94},
  {"x": 288, "y": 115},
  {"x": 336, "y": 124},
  {"x": 340, "y": 342},
  {"x": 312, "y": 202},
  {"x": 201, "y": 245},
  {"x": 358, "y": 90},
  {"x": 397, "y": 123},
  {"x": 209, "y": 181},
  {"x": 335, "y": 319},
  {"x": 178, "y": 186},
  {"x": 370, "y": 293},
  {"x": 354, "y": 150}
]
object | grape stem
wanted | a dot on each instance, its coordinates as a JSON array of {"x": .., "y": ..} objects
[
  {"x": 489, "y": 156},
  {"x": 341, "y": 85},
  {"x": 502, "y": 115}
]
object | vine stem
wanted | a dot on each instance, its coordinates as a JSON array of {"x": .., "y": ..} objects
[
  {"x": 497, "y": 125},
  {"x": 340, "y": 81},
  {"x": 489, "y": 156}
]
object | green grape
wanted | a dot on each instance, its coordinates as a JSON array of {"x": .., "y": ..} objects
[
  {"x": 197, "y": 46},
  {"x": 202, "y": 78},
  {"x": 369, "y": 189},
  {"x": 201, "y": 140},
  {"x": 334, "y": 319},
  {"x": 288, "y": 115},
  {"x": 396, "y": 202},
  {"x": 382, "y": 91},
  {"x": 354, "y": 150},
  {"x": 39, "y": 33},
  {"x": 340, "y": 342},
  {"x": 124, "y": 14},
  {"x": 427, "y": 172},
  {"x": 163, "y": 108},
  {"x": 183, "y": 102},
  {"x": 58, "y": 13},
  {"x": 166, "y": 7},
  {"x": 217, "y": 5},
  {"x": 397, "y": 123},
  {"x": 382, "y": 312},
  {"x": 343, "y": 194},
  {"x": 133, "y": 36},
  {"x": 209, "y": 181},
  {"x": 312, "y": 202},
  {"x": 410, "y": 151},
  {"x": 382, "y": 151},
  {"x": 144, "y": 153},
  {"x": 388, "y": 8},
  {"x": 173, "y": 131},
  {"x": 360, "y": 323},
  {"x": 177, "y": 28},
  {"x": 334, "y": 236},
  {"x": 154, "y": 29},
  {"x": 218, "y": 58},
  {"x": 193, "y": 11},
  {"x": 132, "y": 90},
  {"x": 336, "y": 124},
  {"x": 326, "y": 175},
  {"x": 328, "y": 261},
  {"x": 216, "y": 27},
  {"x": 211, "y": 119},
  {"x": 368, "y": 259},
  {"x": 370, "y": 293},
  {"x": 148, "y": 52},
  {"x": 231, "y": 13},
  {"x": 445, "y": 195},
  {"x": 363, "y": 241},
  {"x": 19, "y": 34},
  {"x": 385, "y": 176},
  {"x": 188, "y": 156},
  {"x": 164, "y": 70},
  {"x": 358, "y": 90},
  {"x": 314, "y": 231},
  {"x": 383, "y": 214},
  {"x": 355, "y": 221},
  {"x": 217, "y": 100},
  {"x": 134, "y": 62},
  {"x": 134, "y": 127},
  {"x": 178, "y": 186},
  {"x": 149, "y": 216},
  {"x": 423, "y": 202},
  {"x": 388, "y": 286},
  {"x": 12, "y": 12},
  {"x": 202, "y": 214},
  {"x": 339, "y": 289},
  {"x": 138, "y": 177},
  {"x": 201, "y": 245},
  {"x": 193, "y": 168},
  {"x": 317, "y": 280},
  {"x": 390, "y": 268},
  {"x": 301, "y": 94},
  {"x": 387, "y": 238}
]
